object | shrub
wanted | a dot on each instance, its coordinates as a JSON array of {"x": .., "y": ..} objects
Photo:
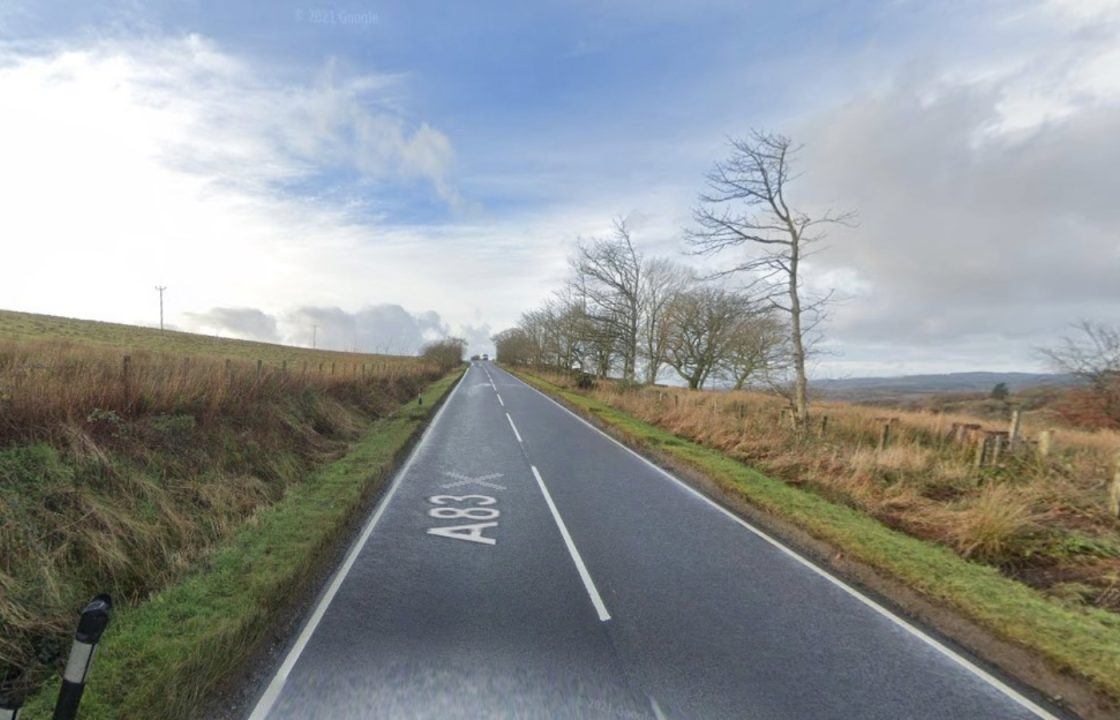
[{"x": 446, "y": 353}]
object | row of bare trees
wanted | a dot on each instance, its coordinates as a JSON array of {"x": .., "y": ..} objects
[
  {"x": 637, "y": 317},
  {"x": 625, "y": 313}
]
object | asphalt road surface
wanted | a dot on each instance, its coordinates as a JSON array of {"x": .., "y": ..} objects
[{"x": 525, "y": 565}]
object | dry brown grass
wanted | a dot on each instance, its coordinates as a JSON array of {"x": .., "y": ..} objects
[
  {"x": 1043, "y": 520},
  {"x": 993, "y": 525},
  {"x": 45, "y": 383},
  {"x": 118, "y": 478}
]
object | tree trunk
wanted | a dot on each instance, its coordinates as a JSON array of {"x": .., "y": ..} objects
[{"x": 800, "y": 382}]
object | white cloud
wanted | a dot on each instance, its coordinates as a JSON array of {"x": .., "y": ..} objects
[
  {"x": 241, "y": 323},
  {"x": 127, "y": 165},
  {"x": 987, "y": 208},
  {"x": 385, "y": 328},
  {"x": 131, "y": 164}
]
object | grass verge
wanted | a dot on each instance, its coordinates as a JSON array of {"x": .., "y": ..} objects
[
  {"x": 163, "y": 657},
  {"x": 1080, "y": 642}
]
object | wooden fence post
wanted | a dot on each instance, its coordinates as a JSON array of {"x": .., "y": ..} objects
[
  {"x": 1013, "y": 431},
  {"x": 997, "y": 445},
  {"x": 259, "y": 368},
  {"x": 981, "y": 447},
  {"x": 1045, "y": 443},
  {"x": 885, "y": 435},
  {"x": 824, "y": 424}
]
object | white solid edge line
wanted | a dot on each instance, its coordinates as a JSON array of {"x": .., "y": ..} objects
[
  {"x": 937, "y": 645},
  {"x": 272, "y": 692},
  {"x": 588, "y": 583},
  {"x": 517, "y": 434}
]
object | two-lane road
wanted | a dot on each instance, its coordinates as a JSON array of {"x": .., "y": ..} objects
[{"x": 523, "y": 564}]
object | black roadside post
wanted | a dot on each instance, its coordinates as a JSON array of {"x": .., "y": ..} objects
[
  {"x": 9, "y": 709},
  {"x": 94, "y": 620}
]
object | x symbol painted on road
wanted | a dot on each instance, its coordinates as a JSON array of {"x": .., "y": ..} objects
[{"x": 480, "y": 480}]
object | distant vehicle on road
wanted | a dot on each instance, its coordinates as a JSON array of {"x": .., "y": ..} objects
[{"x": 485, "y": 357}]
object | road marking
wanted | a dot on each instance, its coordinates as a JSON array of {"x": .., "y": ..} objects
[
  {"x": 1008, "y": 691},
  {"x": 473, "y": 532},
  {"x": 514, "y": 427},
  {"x": 657, "y": 712},
  {"x": 272, "y": 692},
  {"x": 588, "y": 583},
  {"x": 470, "y": 533},
  {"x": 482, "y": 480},
  {"x": 500, "y": 401}
]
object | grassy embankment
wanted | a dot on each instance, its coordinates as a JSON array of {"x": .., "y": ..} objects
[
  {"x": 195, "y": 487},
  {"x": 131, "y": 338},
  {"x": 917, "y": 511}
]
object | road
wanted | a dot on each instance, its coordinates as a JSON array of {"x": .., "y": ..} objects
[{"x": 525, "y": 565}]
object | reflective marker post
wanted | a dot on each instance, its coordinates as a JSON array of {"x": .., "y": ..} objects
[{"x": 95, "y": 618}]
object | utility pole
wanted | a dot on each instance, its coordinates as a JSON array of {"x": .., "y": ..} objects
[
  {"x": 314, "y": 336},
  {"x": 161, "y": 288}
]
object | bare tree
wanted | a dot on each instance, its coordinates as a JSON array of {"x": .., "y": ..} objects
[
  {"x": 662, "y": 280},
  {"x": 701, "y": 323},
  {"x": 609, "y": 276},
  {"x": 514, "y": 346},
  {"x": 571, "y": 329},
  {"x": 746, "y": 206},
  {"x": 446, "y": 353},
  {"x": 757, "y": 348},
  {"x": 1093, "y": 356}
]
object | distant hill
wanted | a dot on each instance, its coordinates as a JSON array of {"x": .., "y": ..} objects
[{"x": 961, "y": 382}]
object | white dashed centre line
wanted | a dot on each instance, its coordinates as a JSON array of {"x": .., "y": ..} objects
[
  {"x": 584, "y": 575},
  {"x": 517, "y": 434}
]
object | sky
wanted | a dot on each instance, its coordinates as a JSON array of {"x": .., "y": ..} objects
[{"x": 377, "y": 175}]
